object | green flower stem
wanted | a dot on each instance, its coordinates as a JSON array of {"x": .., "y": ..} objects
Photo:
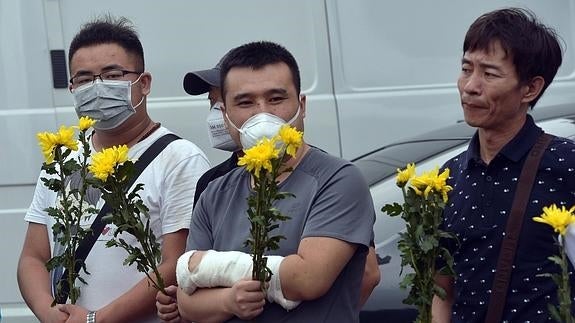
[
  {"x": 68, "y": 212},
  {"x": 258, "y": 272},
  {"x": 124, "y": 206},
  {"x": 70, "y": 240},
  {"x": 265, "y": 187},
  {"x": 423, "y": 217},
  {"x": 84, "y": 168},
  {"x": 565, "y": 289},
  {"x": 158, "y": 283}
]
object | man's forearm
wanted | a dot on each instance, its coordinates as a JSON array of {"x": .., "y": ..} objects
[
  {"x": 204, "y": 305},
  {"x": 138, "y": 302},
  {"x": 371, "y": 276},
  {"x": 311, "y": 272},
  {"x": 35, "y": 285},
  {"x": 208, "y": 269},
  {"x": 441, "y": 308}
]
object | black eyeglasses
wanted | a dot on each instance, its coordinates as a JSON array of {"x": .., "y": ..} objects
[{"x": 84, "y": 79}]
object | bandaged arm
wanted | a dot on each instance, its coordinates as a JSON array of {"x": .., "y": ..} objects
[{"x": 223, "y": 269}]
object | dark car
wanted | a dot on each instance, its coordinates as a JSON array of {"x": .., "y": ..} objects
[{"x": 427, "y": 151}]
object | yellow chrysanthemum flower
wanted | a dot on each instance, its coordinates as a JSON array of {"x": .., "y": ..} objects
[
  {"x": 49, "y": 141},
  {"x": 558, "y": 218},
  {"x": 292, "y": 139},
  {"x": 85, "y": 122},
  {"x": 259, "y": 156},
  {"x": 104, "y": 163},
  {"x": 403, "y": 176},
  {"x": 432, "y": 181},
  {"x": 66, "y": 138}
]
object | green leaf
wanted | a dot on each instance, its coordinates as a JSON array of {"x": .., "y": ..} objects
[
  {"x": 407, "y": 281},
  {"x": 439, "y": 291},
  {"x": 393, "y": 209},
  {"x": 427, "y": 243},
  {"x": 556, "y": 259}
]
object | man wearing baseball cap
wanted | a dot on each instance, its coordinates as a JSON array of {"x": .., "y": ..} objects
[
  {"x": 200, "y": 82},
  {"x": 197, "y": 83}
]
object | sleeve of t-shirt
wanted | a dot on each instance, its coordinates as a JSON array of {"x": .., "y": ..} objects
[
  {"x": 343, "y": 209},
  {"x": 179, "y": 185},
  {"x": 43, "y": 198},
  {"x": 200, "y": 234}
]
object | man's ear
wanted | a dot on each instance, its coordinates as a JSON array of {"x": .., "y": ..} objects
[
  {"x": 532, "y": 89},
  {"x": 146, "y": 83}
]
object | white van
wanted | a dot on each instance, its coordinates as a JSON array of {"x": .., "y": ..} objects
[{"x": 374, "y": 72}]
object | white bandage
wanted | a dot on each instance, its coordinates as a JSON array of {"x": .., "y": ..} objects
[
  {"x": 222, "y": 269},
  {"x": 225, "y": 268},
  {"x": 216, "y": 269},
  {"x": 275, "y": 293},
  {"x": 183, "y": 274},
  {"x": 569, "y": 240}
]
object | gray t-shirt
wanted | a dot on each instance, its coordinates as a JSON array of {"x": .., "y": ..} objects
[{"x": 332, "y": 199}]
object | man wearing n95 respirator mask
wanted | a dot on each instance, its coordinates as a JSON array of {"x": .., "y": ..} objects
[{"x": 319, "y": 267}]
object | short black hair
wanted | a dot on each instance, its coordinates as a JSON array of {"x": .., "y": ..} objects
[
  {"x": 533, "y": 47},
  {"x": 256, "y": 55},
  {"x": 109, "y": 30}
]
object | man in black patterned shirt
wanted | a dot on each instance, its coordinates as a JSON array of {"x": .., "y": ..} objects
[{"x": 509, "y": 59}]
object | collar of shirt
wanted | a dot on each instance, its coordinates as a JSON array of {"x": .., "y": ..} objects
[{"x": 513, "y": 150}]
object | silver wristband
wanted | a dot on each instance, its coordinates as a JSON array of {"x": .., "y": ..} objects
[{"x": 91, "y": 317}]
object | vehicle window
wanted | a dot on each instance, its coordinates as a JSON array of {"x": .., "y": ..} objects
[{"x": 383, "y": 163}]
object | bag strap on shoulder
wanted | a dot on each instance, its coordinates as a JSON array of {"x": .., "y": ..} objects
[{"x": 508, "y": 249}]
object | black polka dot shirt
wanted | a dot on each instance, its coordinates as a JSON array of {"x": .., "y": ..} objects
[{"x": 477, "y": 213}]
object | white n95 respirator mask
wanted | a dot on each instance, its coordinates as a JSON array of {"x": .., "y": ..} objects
[
  {"x": 259, "y": 126},
  {"x": 218, "y": 132}
]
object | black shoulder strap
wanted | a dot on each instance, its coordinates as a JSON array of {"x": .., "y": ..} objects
[
  {"x": 508, "y": 249},
  {"x": 98, "y": 225}
]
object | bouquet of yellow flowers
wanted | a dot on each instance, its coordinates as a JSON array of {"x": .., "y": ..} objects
[
  {"x": 425, "y": 197},
  {"x": 108, "y": 171},
  {"x": 265, "y": 161},
  {"x": 559, "y": 219},
  {"x": 112, "y": 171},
  {"x": 71, "y": 206}
]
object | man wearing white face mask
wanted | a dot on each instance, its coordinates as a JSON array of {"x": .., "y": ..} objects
[
  {"x": 109, "y": 84},
  {"x": 318, "y": 269},
  {"x": 197, "y": 83},
  {"x": 200, "y": 82}
]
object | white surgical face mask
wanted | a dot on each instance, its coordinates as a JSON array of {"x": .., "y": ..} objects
[
  {"x": 259, "y": 126},
  {"x": 220, "y": 137},
  {"x": 109, "y": 102}
]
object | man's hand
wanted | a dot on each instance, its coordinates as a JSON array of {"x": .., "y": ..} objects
[
  {"x": 167, "y": 305},
  {"x": 77, "y": 314},
  {"x": 441, "y": 309},
  {"x": 55, "y": 314},
  {"x": 246, "y": 299}
]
